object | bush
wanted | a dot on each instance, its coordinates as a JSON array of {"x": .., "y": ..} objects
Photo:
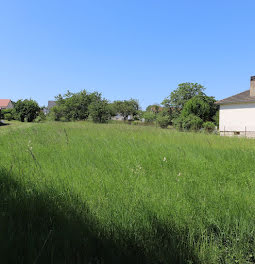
[
  {"x": 99, "y": 110},
  {"x": 27, "y": 110},
  {"x": 190, "y": 122},
  {"x": 149, "y": 117},
  {"x": 38, "y": 119},
  {"x": 8, "y": 116},
  {"x": 216, "y": 118},
  {"x": 163, "y": 120},
  {"x": 209, "y": 126}
]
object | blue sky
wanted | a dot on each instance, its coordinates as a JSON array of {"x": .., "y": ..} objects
[{"x": 134, "y": 48}]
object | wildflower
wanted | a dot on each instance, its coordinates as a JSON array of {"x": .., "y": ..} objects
[
  {"x": 164, "y": 159},
  {"x": 29, "y": 145},
  {"x": 179, "y": 174}
]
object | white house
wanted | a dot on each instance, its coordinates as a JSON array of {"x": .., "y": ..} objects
[{"x": 237, "y": 113}]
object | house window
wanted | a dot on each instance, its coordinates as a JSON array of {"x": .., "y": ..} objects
[{"x": 236, "y": 133}]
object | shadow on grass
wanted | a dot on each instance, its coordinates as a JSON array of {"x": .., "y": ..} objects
[
  {"x": 35, "y": 228},
  {"x": 3, "y": 123}
]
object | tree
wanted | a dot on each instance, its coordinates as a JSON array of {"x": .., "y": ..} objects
[
  {"x": 154, "y": 108},
  {"x": 8, "y": 114},
  {"x": 182, "y": 94},
  {"x": 149, "y": 116},
  {"x": 126, "y": 107},
  {"x": 202, "y": 106},
  {"x": 163, "y": 119},
  {"x": 73, "y": 106},
  {"x": 195, "y": 112},
  {"x": 27, "y": 109},
  {"x": 99, "y": 110}
]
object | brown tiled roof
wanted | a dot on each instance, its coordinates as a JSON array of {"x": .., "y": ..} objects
[
  {"x": 243, "y": 97},
  {"x": 4, "y": 103}
]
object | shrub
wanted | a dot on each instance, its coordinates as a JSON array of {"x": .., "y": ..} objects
[
  {"x": 216, "y": 118},
  {"x": 192, "y": 122},
  {"x": 149, "y": 116},
  {"x": 177, "y": 122},
  {"x": 189, "y": 122},
  {"x": 99, "y": 110},
  {"x": 8, "y": 116},
  {"x": 201, "y": 106},
  {"x": 38, "y": 119},
  {"x": 27, "y": 110},
  {"x": 163, "y": 120},
  {"x": 209, "y": 126}
]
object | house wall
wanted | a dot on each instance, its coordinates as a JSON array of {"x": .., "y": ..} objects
[
  {"x": 237, "y": 118},
  {"x": 10, "y": 105}
]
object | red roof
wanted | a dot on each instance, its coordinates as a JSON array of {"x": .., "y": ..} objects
[{"x": 4, "y": 103}]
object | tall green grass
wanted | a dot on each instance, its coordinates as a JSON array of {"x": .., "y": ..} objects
[{"x": 87, "y": 193}]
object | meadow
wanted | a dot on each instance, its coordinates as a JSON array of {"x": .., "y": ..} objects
[{"x": 80, "y": 192}]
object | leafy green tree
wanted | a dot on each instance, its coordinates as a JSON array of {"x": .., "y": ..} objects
[
  {"x": 99, "y": 110},
  {"x": 154, "y": 108},
  {"x": 202, "y": 106},
  {"x": 149, "y": 116},
  {"x": 182, "y": 94},
  {"x": 126, "y": 108},
  {"x": 73, "y": 106},
  {"x": 7, "y": 114},
  {"x": 27, "y": 109},
  {"x": 163, "y": 119},
  {"x": 196, "y": 111}
]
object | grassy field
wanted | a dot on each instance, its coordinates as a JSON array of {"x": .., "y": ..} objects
[{"x": 90, "y": 193}]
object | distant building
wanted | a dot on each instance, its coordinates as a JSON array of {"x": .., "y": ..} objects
[
  {"x": 120, "y": 117},
  {"x": 46, "y": 110},
  {"x": 51, "y": 104},
  {"x": 237, "y": 113},
  {"x": 6, "y": 104}
]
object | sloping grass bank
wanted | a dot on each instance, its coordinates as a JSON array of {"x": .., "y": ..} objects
[{"x": 86, "y": 193}]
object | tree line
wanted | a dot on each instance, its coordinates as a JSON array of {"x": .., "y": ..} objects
[{"x": 186, "y": 108}]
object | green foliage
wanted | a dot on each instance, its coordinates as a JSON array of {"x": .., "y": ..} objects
[
  {"x": 40, "y": 118},
  {"x": 8, "y": 116},
  {"x": 26, "y": 110},
  {"x": 99, "y": 110},
  {"x": 182, "y": 94},
  {"x": 149, "y": 116},
  {"x": 163, "y": 119},
  {"x": 153, "y": 108},
  {"x": 72, "y": 106},
  {"x": 202, "y": 106},
  {"x": 209, "y": 126},
  {"x": 81, "y": 106},
  {"x": 188, "y": 122},
  {"x": 199, "y": 109},
  {"x": 216, "y": 118},
  {"x": 126, "y": 108}
]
